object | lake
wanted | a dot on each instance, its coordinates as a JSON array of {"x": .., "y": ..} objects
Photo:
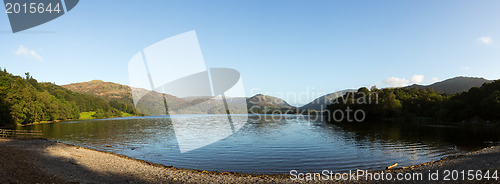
[{"x": 275, "y": 144}]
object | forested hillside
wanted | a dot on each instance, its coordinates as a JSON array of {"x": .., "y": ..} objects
[
  {"x": 268, "y": 104},
  {"x": 107, "y": 90},
  {"x": 454, "y": 85},
  {"x": 24, "y": 100},
  {"x": 478, "y": 104}
]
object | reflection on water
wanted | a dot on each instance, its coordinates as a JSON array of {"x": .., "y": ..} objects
[{"x": 275, "y": 144}]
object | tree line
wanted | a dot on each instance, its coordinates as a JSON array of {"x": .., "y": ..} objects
[
  {"x": 477, "y": 104},
  {"x": 25, "y": 100}
]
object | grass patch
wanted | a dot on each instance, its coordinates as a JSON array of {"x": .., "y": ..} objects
[
  {"x": 124, "y": 114},
  {"x": 86, "y": 115}
]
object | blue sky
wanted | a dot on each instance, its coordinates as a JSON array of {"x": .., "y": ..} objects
[{"x": 279, "y": 47}]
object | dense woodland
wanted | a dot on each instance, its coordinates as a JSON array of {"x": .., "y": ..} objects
[
  {"x": 25, "y": 100},
  {"x": 478, "y": 104}
]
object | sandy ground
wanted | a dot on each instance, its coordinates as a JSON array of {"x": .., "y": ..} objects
[{"x": 42, "y": 161}]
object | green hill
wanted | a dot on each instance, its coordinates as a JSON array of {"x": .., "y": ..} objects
[
  {"x": 475, "y": 105},
  {"x": 454, "y": 85},
  {"x": 118, "y": 93},
  {"x": 23, "y": 100},
  {"x": 266, "y": 104}
]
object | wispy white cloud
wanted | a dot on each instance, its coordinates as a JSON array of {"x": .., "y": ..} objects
[
  {"x": 434, "y": 80},
  {"x": 485, "y": 40},
  {"x": 401, "y": 82},
  {"x": 466, "y": 68},
  {"x": 23, "y": 51},
  {"x": 396, "y": 82},
  {"x": 417, "y": 79}
]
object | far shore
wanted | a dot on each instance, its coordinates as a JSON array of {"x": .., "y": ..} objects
[
  {"x": 53, "y": 162},
  {"x": 56, "y": 121}
]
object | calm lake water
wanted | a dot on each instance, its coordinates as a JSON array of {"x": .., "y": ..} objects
[{"x": 275, "y": 144}]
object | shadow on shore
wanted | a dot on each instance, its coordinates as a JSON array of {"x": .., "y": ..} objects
[{"x": 31, "y": 161}]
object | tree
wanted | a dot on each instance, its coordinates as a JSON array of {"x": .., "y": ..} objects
[
  {"x": 490, "y": 106},
  {"x": 25, "y": 100},
  {"x": 21, "y": 98},
  {"x": 99, "y": 114},
  {"x": 391, "y": 104}
]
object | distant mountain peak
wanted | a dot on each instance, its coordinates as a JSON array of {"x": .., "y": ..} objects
[
  {"x": 103, "y": 89},
  {"x": 257, "y": 95},
  {"x": 321, "y": 102},
  {"x": 454, "y": 85},
  {"x": 122, "y": 93},
  {"x": 268, "y": 101}
]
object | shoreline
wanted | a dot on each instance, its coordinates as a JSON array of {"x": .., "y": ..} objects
[
  {"x": 70, "y": 163},
  {"x": 58, "y": 160},
  {"x": 167, "y": 166},
  {"x": 67, "y": 120},
  {"x": 56, "y": 121}
]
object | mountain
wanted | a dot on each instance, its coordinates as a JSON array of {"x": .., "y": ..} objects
[
  {"x": 268, "y": 101},
  {"x": 454, "y": 85},
  {"x": 107, "y": 90},
  {"x": 320, "y": 103},
  {"x": 152, "y": 103},
  {"x": 123, "y": 94},
  {"x": 268, "y": 104},
  {"x": 450, "y": 86}
]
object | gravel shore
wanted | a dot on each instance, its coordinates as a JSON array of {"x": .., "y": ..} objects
[{"x": 42, "y": 161}]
